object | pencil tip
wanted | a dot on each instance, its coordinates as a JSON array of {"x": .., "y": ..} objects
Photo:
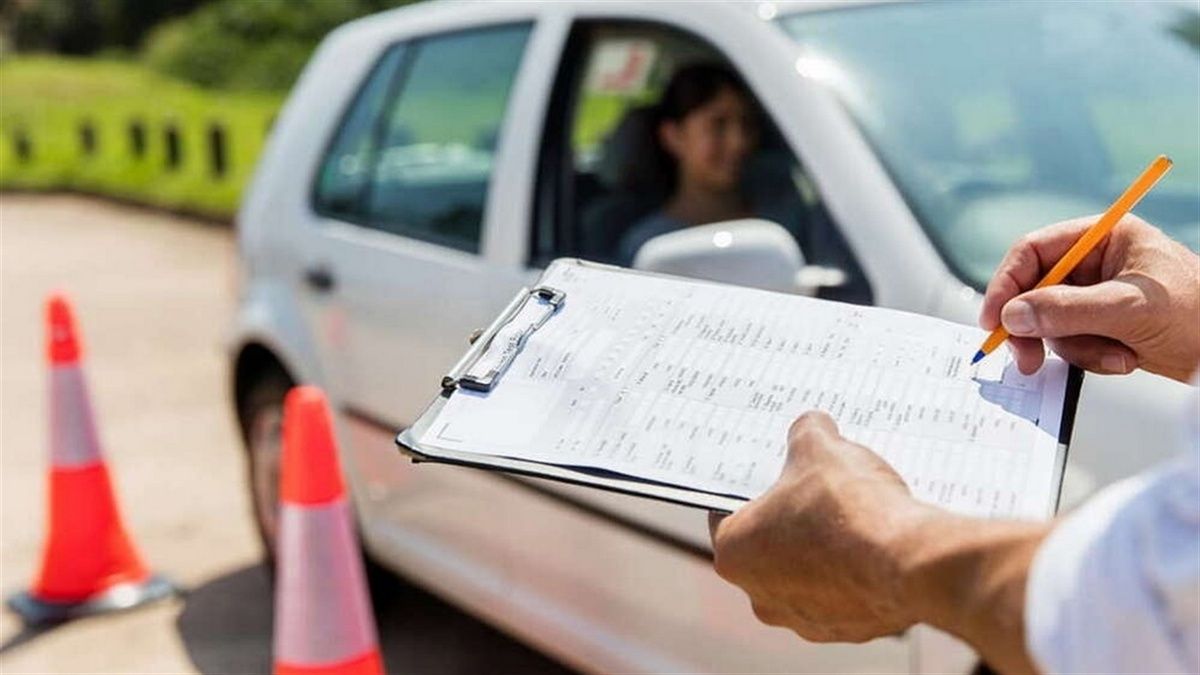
[{"x": 978, "y": 357}]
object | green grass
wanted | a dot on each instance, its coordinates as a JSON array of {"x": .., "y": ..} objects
[{"x": 47, "y": 99}]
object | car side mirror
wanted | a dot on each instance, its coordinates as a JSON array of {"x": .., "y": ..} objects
[{"x": 747, "y": 252}]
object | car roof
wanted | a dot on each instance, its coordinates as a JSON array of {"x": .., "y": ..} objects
[
  {"x": 768, "y": 9},
  {"x": 442, "y": 10}
]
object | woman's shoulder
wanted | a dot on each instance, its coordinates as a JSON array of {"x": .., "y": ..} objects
[
  {"x": 645, "y": 229},
  {"x": 656, "y": 223}
]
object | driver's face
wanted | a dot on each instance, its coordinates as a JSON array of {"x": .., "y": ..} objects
[{"x": 711, "y": 144}]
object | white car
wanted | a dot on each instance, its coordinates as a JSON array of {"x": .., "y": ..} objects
[{"x": 432, "y": 159}]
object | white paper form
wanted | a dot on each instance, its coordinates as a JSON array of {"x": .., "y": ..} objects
[{"x": 695, "y": 385}]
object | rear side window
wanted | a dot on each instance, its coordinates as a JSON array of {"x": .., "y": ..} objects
[
  {"x": 349, "y": 162},
  {"x": 429, "y": 147}
]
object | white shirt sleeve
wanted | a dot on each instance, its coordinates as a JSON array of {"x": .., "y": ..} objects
[{"x": 1115, "y": 588}]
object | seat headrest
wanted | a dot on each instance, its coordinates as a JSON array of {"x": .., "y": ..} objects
[{"x": 629, "y": 156}]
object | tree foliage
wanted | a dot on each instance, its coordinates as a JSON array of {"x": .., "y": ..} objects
[
  {"x": 236, "y": 44},
  {"x": 250, "y": 44},
  {"x": 81, "y": 27}
]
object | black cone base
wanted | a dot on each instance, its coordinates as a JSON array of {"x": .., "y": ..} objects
[{"x": 37, "y": 612}]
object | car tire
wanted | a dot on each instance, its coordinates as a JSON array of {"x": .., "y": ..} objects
[{"x": 261, "y": 418}]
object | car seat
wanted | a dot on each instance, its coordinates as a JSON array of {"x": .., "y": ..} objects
[{"x": 634, "y": 183}]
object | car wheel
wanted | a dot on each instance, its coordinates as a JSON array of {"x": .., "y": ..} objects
[{"x": 262, "y": 425}]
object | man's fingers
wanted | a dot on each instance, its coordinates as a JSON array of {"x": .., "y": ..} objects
[
  {"x": 807, "y": 429},
  {"x": 1028, "y": 353},
  {"x": 1025, "y": 264},
  {"x": 813, "y": 421},
  {"x": 1097, "y": 354},
  {"x": 1108, "y": 309}
]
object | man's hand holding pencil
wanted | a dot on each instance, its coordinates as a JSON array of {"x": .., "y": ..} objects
[{"x": 1133, "y": 302}]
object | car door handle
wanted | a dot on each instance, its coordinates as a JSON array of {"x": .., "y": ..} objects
[{"x": 320, "y": 278}]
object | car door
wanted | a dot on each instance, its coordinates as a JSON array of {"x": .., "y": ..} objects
[{"x": 397, "y": 264}]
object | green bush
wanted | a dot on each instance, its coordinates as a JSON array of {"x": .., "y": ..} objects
[
  {"x": 260, "y": 45},
  {"x": 47, "y": 101}
]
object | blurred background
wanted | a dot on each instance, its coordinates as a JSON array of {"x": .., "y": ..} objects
[{"x": 165, "y": 102}]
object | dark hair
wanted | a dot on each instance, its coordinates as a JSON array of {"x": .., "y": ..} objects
[{"x": 691, "y": 87}]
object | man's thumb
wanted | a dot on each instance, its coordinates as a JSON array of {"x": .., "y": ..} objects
[{"x": 1105, "y": 309}]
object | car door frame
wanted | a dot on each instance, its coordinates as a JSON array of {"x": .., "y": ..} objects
[
  {"x": 323, "y": 229},
  {"x": 493, "y": 246},
  {"x": 901, "y": 265}
]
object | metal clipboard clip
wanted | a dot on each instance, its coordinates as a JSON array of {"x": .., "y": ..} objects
[{"x": 494, "y": 351}]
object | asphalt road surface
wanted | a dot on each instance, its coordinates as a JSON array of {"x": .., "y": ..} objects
[{"x": 154, "y": 295}]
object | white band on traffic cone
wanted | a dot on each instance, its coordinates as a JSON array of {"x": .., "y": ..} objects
[
  {"x": 73, "y": 441},
  {"x": 321, "y": 609}
]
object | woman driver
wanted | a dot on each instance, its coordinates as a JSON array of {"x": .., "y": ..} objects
[{"x": 706, "y": 130}]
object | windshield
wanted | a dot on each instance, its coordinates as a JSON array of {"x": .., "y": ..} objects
[{"x": 997, "y": 118}]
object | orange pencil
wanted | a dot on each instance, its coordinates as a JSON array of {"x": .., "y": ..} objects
[{"x": 1094, "y": 235}]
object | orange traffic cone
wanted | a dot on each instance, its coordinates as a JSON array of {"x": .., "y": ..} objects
[
  {"x": 323, "y": 621},
  {"x": 89, "y": 564}
]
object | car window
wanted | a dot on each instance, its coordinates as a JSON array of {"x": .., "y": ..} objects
[
  {"x": 429, "y": 149},
  {"x": 603, "y": 175},
  {"x": 347, "y": 166}
]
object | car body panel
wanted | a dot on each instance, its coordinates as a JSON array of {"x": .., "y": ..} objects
[{"x": 267, "y": 316}]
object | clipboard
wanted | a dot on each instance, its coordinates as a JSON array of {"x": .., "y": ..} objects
[
  {"x": 472, "y": 372},
  {"x": 483, "y": 366},
  {"x": 465, "y": 374}
]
